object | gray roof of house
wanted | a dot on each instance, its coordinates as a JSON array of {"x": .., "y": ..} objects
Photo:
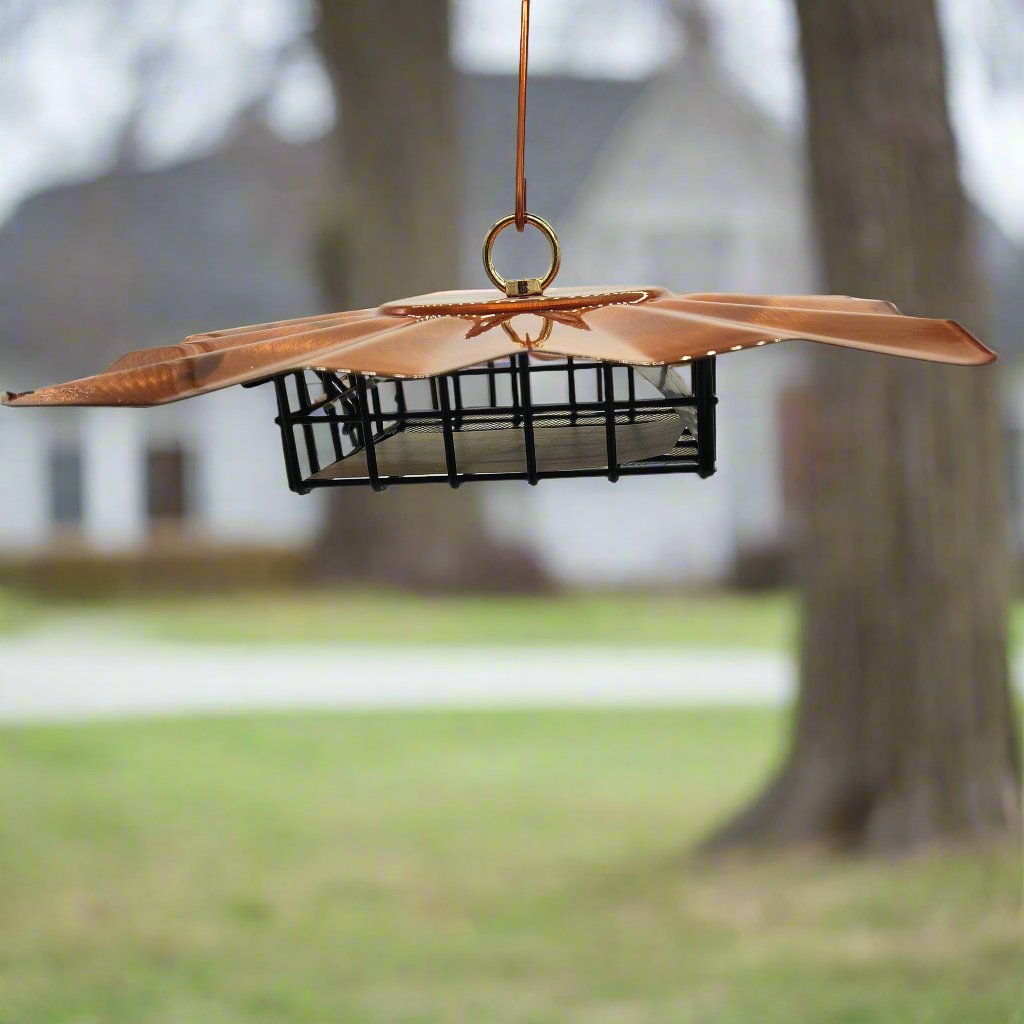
[
  {"x": 136, "y": 258},
  {"x": 570, "y": 121}
]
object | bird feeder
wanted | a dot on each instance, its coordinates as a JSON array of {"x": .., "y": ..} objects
[{"x": 526, "y": 383}]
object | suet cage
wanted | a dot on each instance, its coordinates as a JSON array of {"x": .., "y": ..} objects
[{"x": 521, "y": 418}]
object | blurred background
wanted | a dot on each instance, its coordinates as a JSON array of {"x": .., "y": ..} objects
[{"x": 505, "y": 737}]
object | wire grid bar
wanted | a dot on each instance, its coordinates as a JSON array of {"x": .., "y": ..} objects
[{"x": 326, "y": 418}]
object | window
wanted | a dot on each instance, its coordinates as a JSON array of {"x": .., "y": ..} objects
[
  {"x": 66, "y": 486},
  {"x": 167, "y": 484}
]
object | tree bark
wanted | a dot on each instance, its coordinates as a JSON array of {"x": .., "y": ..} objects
[
  {"x": 396, "y": 234},
  {"x": 905, "y": 732}
]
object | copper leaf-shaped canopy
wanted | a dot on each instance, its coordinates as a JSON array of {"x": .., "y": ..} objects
[{"x": 448, "y": 331}]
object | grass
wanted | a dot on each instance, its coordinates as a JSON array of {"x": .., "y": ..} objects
[
  {"x": 17, "y": 612},
  {"x": 374, "y": 618},
  {"x": 461, "y": 867},
  {"x": 695, "y": 620},
  {"x": 710, "y": 620}
]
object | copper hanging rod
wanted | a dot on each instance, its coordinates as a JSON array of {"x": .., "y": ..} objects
[{"x": 524, "y": 62}]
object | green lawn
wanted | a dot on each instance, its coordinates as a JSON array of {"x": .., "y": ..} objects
[
  {"x": 719, "y": 620},
  {"x": 17, "y": 612},
  {"x": 713, "y": 620},
  {"x": 461, "y": 867}
]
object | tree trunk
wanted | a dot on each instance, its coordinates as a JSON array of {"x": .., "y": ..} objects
[
  {"x": 396, "y": 234},
  {"x": 905, "y": 732},
  {"x": 399, "y": 146}
]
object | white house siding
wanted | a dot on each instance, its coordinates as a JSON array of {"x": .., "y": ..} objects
[
  {"x": 242, "y": 487},
  {"x": 639, "y": 530},
  {"x": 113, "y": 456},
  {"x": 24, "y": 481}
]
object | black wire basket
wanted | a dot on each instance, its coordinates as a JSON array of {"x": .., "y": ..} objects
[{"x": 530, "y": 417}]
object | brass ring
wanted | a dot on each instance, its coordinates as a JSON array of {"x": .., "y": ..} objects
[{"x": 532, "y": 286}]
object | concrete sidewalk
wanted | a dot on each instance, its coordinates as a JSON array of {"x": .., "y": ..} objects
[{"x": 42, "y": 679}]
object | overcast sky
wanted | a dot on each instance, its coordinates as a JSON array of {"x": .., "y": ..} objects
[{"x": 70, "y": 73}]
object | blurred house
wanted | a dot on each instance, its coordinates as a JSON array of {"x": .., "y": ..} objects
[
  {"x": 677, "y": 181},
  {"x": 136, "y": 259}
]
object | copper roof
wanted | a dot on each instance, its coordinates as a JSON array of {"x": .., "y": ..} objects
[{"x": 448, "y": 331}]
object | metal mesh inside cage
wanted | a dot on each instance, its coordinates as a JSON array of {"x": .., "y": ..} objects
[{"x": 517, "y": 419}]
